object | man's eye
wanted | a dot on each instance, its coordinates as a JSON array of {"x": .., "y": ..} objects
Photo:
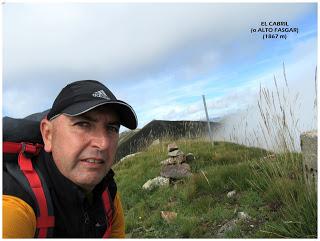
[
  {"x": 113, "y": 128},
  {"x": 83, "y": 124}
]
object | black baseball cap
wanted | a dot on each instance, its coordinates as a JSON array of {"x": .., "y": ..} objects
[{"x": 81, "y": 96}]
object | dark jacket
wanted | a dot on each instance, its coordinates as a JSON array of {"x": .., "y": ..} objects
[{"x": 76, "y": 215}]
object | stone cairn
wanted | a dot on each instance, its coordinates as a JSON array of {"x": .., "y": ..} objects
[{"x": 174, "y": 168}]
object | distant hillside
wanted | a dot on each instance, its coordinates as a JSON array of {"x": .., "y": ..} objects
[
  {"x": 126, "y": 135},
  {"x": 132, "y": 142}
]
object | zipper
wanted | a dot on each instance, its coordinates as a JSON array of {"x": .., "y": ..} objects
[{"x": 86, "y": 217}]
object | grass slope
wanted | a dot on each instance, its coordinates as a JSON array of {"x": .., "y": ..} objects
[{"x": 269, "y": 187}]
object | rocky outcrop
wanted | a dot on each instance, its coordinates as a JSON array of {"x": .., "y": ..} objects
[
  {"x": 129, "y": 156},
  {"x": 232, "y": 224},
  {"x": 309, "y": 144}
]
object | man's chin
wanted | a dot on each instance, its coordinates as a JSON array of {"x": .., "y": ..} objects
[{"x": 88, "y": 185}]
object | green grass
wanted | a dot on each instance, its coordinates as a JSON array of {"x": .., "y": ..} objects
[
  {"x": 270, "y": 186},
  {"x": 271, "y": 191}
]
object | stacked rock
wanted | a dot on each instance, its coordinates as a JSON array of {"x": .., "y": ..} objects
[
  {"x": 175, "y": 155},
  {"x": 175, "y": 166}
]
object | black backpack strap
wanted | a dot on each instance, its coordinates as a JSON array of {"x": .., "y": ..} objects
[
  {"x": 12, "y": 187},
  {"x": 109, "y": 211},
  {"x": 112, "y": 186},
  {"x": 108, "y": 197},
  {"x": 49, "y": 224}
]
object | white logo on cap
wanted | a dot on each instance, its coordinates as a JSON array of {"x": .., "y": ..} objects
[{"x": 101, "y": 94}]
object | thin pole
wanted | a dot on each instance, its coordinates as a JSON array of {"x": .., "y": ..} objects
[{"x": 209, "y": 127}]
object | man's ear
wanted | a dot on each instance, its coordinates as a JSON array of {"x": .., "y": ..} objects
[{"x": 46, "y": 129}]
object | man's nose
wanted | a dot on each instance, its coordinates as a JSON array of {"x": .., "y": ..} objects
[{"x": 100, "y": 140}]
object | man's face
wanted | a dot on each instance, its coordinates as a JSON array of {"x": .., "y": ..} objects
[{"x": 83, "y": 147}]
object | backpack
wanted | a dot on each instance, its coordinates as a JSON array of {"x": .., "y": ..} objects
[{"x": 22, "y": 142}]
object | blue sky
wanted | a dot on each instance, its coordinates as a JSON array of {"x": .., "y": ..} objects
[{"x": 160, "y": 58}]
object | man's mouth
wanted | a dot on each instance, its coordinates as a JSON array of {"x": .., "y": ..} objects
[{"x": 91, "y": 160}]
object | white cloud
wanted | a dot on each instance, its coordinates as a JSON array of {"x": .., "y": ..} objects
[
  {"x": 117, "y": 38},
  {"x": 152, "y": 55}
]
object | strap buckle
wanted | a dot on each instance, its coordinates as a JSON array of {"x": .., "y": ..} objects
[
  {"x": 23, "y": 147},
  {"x": 30, "y": 148}
]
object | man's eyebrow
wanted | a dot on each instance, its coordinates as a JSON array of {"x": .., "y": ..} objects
[
  {"x": 93, "y": 119},
  {"x": 117, "y": 123},
  {"x": 85, "y": 117}
]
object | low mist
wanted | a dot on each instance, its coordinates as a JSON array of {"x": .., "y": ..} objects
[{"x": 276, "y": 120}]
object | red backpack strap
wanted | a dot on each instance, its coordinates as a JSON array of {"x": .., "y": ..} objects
[
  {"x": 44, "y": 221},
  {"x": 108, "y": 209},
  {"x": 14, "y": 147}
]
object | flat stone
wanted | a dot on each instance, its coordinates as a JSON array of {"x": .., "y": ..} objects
[
  {"x": 179, "y": 159},
  {"x": 243, "y": 216},
  {"x": 174, "y": 160},
  {"x": 177, "y": 171},
  {"x": 172, "y": 147},
  {"x": 231, "y": 194},
  {"x": 175, "y": 153},
  {"x": 168, "y": 161},
  {"x": 156, "y": 182}
]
